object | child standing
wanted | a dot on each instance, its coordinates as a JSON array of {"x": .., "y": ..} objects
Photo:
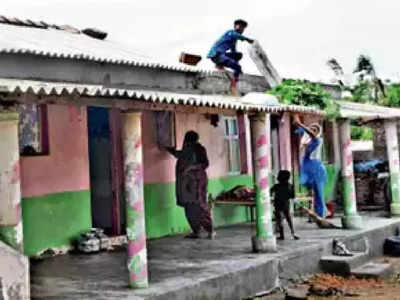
[{"x": 283, "y": 191}]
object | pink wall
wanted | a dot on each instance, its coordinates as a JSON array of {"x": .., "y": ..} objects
[
  {"x": 160, "y": 166},
  {"x": 66, "y": 168}
]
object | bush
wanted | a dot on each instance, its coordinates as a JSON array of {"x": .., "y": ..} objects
[
  {"x": 361, "y": 133},
  {"x": 304, "y": 93}
]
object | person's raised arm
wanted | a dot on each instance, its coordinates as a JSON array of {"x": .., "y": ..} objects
[
  {"x": 297, "y": 122},
  {"x": 241, "y": 37},
  {"x": 173, "y": 151}
]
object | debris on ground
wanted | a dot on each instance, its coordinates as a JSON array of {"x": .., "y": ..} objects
[
  {"x": 331, "y": 285},
  {"x": 321, "y": 222},
  {"x": 93, "y": 241}
]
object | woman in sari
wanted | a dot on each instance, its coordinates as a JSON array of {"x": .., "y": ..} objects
[
  {"x": 191, "y": 184},
  {"x": 312, "y": 170}
]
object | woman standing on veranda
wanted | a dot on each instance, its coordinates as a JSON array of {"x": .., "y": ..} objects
[
  {"x": 312, "y": 170},
  {"x": 191, "y": 184}
]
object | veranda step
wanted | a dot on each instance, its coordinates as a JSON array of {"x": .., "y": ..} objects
[
  {"x": 343, "y": 265},
  {"x": 373, "y": 270}
]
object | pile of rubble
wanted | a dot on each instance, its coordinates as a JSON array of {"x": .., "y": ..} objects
[{"x": 328, "y": 285}]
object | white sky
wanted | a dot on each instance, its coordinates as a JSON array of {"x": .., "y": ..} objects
[{"x": 298, "y": 35}]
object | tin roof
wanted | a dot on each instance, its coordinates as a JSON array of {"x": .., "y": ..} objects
[
  {"x": 55, "y": 43},
  {"x": 366, "y": 112},
  {"x": 258, "y": 102}
]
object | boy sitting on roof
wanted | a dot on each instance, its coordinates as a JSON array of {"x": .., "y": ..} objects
[{"x": 223, "y": 53}]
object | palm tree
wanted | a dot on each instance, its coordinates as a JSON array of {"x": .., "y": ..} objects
[
  {"x": 365, "y": 67},
  {"x": 338, "y": 70}
]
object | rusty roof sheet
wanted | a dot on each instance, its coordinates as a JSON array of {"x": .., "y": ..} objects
[
  {"x": 56, "y": 43},
  {"x": 258, "y": 102},
  {"x": 366, "y": 112}
]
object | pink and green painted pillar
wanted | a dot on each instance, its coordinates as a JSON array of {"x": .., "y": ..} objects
[
  {"x": 134, "y": 197},
  {"x": 264, "y": 240},
  {"x": 285, "y": 144},
  {"x": 351, "y": 219},
  {"x": 393, "y": 155},
  {"x": 10, "y": 185}
]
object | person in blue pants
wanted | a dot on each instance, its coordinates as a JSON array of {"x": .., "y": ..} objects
[
  {"x": 312, "y": 170},
  {"x": 223, "y": 53}
]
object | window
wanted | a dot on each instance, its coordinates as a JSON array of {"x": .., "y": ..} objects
[
  {"x": 232, "y": 144},
  {"x": 33, "y": 135},
  {"x": 165, "y": 125}
]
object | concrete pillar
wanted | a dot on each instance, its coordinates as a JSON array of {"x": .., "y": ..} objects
[
  {"x": 264, "y": 240},
  {"x": 285, "y": 145},
  {"x": 336, "y": 146},
  {"x": 336, "y": 158},
  {"x": 10, "y": 187},
  {"x": 351, "y": 219},
  {"x": 393, "y": 155},
  {"x": 134, "y": 198}
]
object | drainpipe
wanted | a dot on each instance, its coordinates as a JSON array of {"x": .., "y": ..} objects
[
  {"x": 393, "y": 155},
  {"x": 264, "y": 240},
  {"x": 10, "y": 184},
  {"x": 351, "y": 219},
  {"x": 134, "y": 198}
]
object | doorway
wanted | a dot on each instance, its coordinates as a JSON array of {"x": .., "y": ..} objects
[{"x": 106, "y": 170}]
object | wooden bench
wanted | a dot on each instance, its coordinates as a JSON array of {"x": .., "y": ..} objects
[{"x": 251, "y": 205}]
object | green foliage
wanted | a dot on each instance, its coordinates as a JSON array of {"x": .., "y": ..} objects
[
  {"x": 361, "y": 133},
  {"x": 305, "y": 93},
  {"x": 362, "y": 92},
  {"x": 392, "y": 98}
]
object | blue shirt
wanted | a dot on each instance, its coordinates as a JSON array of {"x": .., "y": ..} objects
[{"x": 225, "y": 43}]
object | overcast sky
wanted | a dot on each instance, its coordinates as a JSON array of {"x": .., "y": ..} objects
[{"x": 298, "y": 35}]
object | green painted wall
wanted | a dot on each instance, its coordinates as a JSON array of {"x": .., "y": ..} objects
[
  {"x": 164, "y": 217},
  {"x": 54, "y": 220},
  {"x": 331, "y": 185}
]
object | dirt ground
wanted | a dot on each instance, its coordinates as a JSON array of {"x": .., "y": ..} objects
[{"x": 354, "y": 289}]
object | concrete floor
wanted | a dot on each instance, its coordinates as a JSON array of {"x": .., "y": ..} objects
[{"x": 224, "y": 268}]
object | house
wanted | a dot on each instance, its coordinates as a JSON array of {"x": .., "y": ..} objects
[
  {"x": 69, "y": 105},
  {"x": 83, "y": 123}
]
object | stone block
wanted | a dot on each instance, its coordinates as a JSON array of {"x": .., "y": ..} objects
[
  {"x": 373, "y": 270},
  {"x": 296, "y": 294},
  {"x": 342, "y": 265}
]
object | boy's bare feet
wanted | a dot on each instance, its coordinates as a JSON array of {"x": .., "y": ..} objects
[{"x": 212, "y": 235}]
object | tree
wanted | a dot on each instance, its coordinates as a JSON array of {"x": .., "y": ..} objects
[
  {"x": 305, "y": 93},
  {"x": 366, "y": 67}
]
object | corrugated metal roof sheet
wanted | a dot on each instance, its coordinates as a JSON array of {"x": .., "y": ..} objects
[
  {"x": 366, "y": 112},
  {"x": 251, "y": 102},
  {"x": 62, "y": 44}
]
